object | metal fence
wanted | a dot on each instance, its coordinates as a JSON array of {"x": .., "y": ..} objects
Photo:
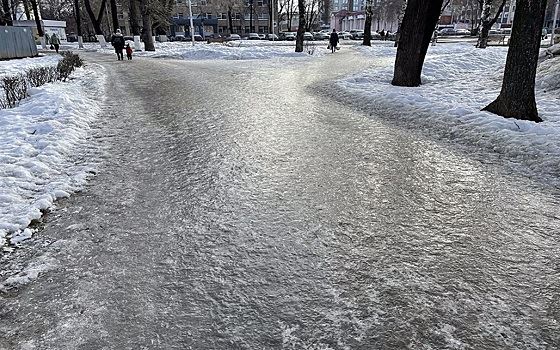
[{"x": 16, "y": 42}]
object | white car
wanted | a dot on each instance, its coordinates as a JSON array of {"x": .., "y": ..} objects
[{"x": 344, "y": 35}]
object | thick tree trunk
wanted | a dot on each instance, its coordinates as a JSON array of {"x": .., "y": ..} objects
[
  {"x": 147, "y": 26},
  {"x": 114, "y": 16},
  {"x": 133, "y": 17},
  {"x": 26, "y": 9},
  {"x": 399, "y": 25},
  {"x": 517, "y": 97},
  {"x": 7, "y": 13},
  {"x": 367, "y": 25},
  {"x": 78, "y": 15},
  {"x": 301, "y": 26},
  {"x": 418, "y": 24}
]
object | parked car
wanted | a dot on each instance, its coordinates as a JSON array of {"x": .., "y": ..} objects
[
  {"x": 447, "y": 32},
  {"x": 290, "y": 36},
  {"x": 253, "y": 36},
  {"x": 271, "y": 37},
  {"x": 344, "y": 35},
  {"x": 463, "y": 32},
  {"x": 179, "y": 38},
  {"x": 307, "y": 36},
  {"x": 357, "y": 34},
  {"x": 321, "y": 36},
  {"x": 262, "y": 36},
  {"x": 232, "y": 37}
]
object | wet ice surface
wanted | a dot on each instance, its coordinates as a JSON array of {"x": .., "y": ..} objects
[{"x": 243, "y": 209}]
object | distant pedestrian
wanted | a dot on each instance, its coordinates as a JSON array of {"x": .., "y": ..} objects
[
  {"x": 544, "y": 34},
  {"x": 382, "y": 34},
  {"x": 55, "y": 41},
  {"x": 434, "y": 38},
  {"x": 118, "y": 43},
  {"x": 128, "y": 50},
  {"x": 333, "y": 41},
  {"x": 47, "y": 39}
]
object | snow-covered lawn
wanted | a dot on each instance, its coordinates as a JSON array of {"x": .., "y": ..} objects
[
  {"x": 235, "y": 50},
  {"x": 12, "y": 67},
  {"x": 45, "y": 146},
  {"x": 458, "y": 81}
]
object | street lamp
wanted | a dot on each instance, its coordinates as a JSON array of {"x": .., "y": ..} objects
[
  {"x": 192, "y": 26},
  {"x": 554, "y": 22}
]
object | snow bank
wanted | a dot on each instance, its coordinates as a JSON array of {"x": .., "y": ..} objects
[
  {"x": 237, "y": 50},
  {"x": 459, "y": 80},
  {"x": 13, "y": 67},
  {"x": 45, "y": 149}
]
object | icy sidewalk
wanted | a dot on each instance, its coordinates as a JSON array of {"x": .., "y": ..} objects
[
  {"x": 458, "y": 81},
  {"x": 46, "y": 148}
]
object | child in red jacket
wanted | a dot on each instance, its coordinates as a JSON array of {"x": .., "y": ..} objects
[{"x": 128, "y": 51}]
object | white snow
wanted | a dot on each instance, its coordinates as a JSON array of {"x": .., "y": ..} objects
[
  {"x": 12, "y": 67},
  {"x": 235, "y": 50},
  {"x": 45, "y": 147},
  {"x": 458, "y": 81}
]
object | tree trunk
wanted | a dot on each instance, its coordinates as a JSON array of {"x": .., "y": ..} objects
[
  {"x": 517, "y": 97},
  {"x": 147, "y": 26},
  {"x": 301, "y": 26},
  {"x": 26, "y": 9},
  {"x": 7, "y": 13},
  {"x": 418, "y": 24},
  {"x": 133, "y": 17},
  {"x": 230, "y": 20},
  {"x": 367, "y": 25},
  {"x": 399, "y": 24},
  {"x": 96, "y": 21},
  {"x": 37, "y": 19},
  {"x": 114, "y": 16},
  {"x": 486, "y": 22}
]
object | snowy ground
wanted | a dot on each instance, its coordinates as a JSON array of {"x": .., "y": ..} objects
[
  {"x": 458, "y": 81},
  {"x": 45, "y": 145},
  {"x": 236, "y": 50},
  {"x": 12, "y": 67}
]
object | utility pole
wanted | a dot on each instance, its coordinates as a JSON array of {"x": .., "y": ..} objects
[
  {"x": 192, "y": 26},
  {"x": 554, "y": 22}
]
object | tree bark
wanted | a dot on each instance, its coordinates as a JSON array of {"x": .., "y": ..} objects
[
  {"x": 418, "y": 24},
  {"x": 230, "y": 19},
  {"x": 486, "y": 22},
  {"x": 301, "y": 26},
  {"x": 37, "y": 19},
  {"x": 147, "y": 26},
  {"x": 7, "y": 13},
  {"x": 517, "y": 97},
  {"x": 114, "y": 16},
  {"x": 367, "y": 25},
  {"x": 96, "y": 21},
  {"x": 133, "y": 17},
  {"x": 26, "y": 9}
]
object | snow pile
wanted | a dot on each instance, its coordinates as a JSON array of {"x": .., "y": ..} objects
[
  {"x": 236, "y": 50},
  {"x": 45, "y": 149},
  {"x": 458, "y": 81},
  {"x": 13, "y": 67}
]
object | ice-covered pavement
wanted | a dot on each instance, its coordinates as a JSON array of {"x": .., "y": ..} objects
[{"x": 458, "y": 81}]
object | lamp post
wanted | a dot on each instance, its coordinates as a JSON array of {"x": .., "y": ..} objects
[
  {"x": 554, "y": 22},
  {"x": 192, "y": 26}
]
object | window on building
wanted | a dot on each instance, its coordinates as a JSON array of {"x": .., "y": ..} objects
[
  {"x": 247, "y": 29},
  {"x": 224, "y": 15},
  {"x": 260, "y": 3},
  {"x": 238, "y": 15},
  {"x": 208, "y": 15},
  {"x": 180, "y": 15},
  {"x": 262, "y": 16},
  {"x": 238, "y": 29},
  {"x": 263, "y": 29}
]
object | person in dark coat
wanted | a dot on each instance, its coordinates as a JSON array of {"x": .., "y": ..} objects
[
  {"x": 333, "y": 40},
  {"x": 55, "y": 42},
  {"x": 118, "y": 43}
]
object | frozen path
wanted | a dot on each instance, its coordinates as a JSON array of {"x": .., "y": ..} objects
[{"x": 241, "y": 208}]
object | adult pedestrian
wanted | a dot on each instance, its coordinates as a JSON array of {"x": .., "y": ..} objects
[
  {"x": 544, "y": 34},
  {"x": 118, "y": 43},
  {"x": 382, "y": 34},
  {"x": 55, "y": 41},
  {"x": 333, "y": 40}
]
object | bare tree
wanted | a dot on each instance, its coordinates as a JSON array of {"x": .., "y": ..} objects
[
  {"x": 133, "y": 17},
  {"x": 487, "y": 21},
  {"x": 114, "y": 17},
  {"x": 367, "y": 25},
  {"x": 7, "y": 15},
  {"x": 517, "y": 97},
  {"x": 95, "y": 20},
  {"x": 301, "y": 26},
  {"x": 147, "y": 26},
  {"x": 418, "y": 24}
]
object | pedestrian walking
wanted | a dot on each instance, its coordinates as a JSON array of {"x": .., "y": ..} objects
[
  {"x": 118, "y": 43},
  {"x": 382, "y": 34},
  {"x": 544, "y": 34},
  {"x": 128, "y": 50},
  {"x": 55, "y": 41},
  {"x": 333, "y": 41}
]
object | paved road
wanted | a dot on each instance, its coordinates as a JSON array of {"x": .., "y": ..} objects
[{"x": 240, "y": 207}]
